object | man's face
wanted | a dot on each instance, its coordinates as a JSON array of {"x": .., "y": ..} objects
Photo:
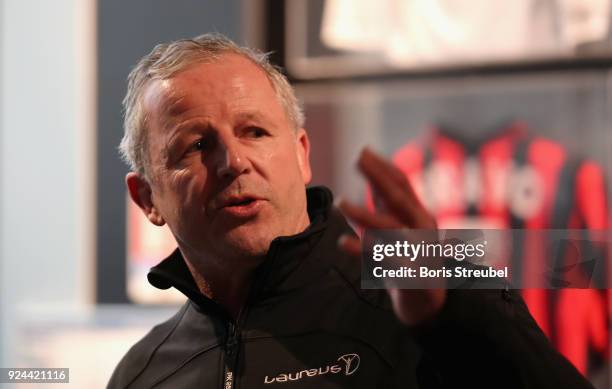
[{"x": 228, "y": 171}]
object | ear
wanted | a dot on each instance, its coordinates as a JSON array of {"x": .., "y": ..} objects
[
  {"x": 141, "y": 194},
  {"x": 303, "y": 155}
]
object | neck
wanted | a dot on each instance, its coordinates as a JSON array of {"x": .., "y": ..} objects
[
  {"x": 229, "y": 288},
  {"x": 227, "y": 285}
]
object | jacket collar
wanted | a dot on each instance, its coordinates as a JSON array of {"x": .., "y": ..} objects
[{"x": 278, "y": 271}]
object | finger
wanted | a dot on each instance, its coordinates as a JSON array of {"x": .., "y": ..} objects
[
  {"x": 350, "y": 245},
  {"x": 395, "y": 192},
  {"x": 369, "y": 158},
  {"x": 383, "y": 175},
  {"x": 366, "y": 218}
]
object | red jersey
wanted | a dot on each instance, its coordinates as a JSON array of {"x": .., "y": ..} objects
[{"x": 515, "y": 180}]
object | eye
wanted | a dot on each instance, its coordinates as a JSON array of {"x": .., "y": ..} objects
[
  {"x": 256, "y": 132},
  {"x": 200, "y": 145}
]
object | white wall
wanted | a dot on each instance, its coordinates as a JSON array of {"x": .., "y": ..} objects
[{"x": 47, "y": 70}]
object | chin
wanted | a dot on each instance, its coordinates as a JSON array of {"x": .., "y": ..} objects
[{"x": 248, "y": 243}]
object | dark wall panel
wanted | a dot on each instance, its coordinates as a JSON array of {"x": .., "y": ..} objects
[{"x": 126, "y": 31}]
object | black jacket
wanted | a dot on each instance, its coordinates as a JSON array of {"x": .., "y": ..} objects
[{"x": 307, "y": 324}]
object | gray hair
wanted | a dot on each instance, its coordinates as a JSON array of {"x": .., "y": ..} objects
[{"x": 167, "y": 59}]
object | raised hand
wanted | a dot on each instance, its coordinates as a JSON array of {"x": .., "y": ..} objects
[{"x": 399, "y": 208}]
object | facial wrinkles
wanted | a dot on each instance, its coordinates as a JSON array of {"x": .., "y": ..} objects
[
  {"x": 230, "y": 102},
  {"x": 256, "y": 181},
  {"x": 237, "y": 86},
  {"x": 178, "y": 183},
  {"x": 216, "y": 188},
  {"x": 241, "y": 101},
  {"x": 240, "y": 89},
  {"x": 168, "y": 100},
  {"x": 179, "y": 124},
  {"x": 157, "y": 99}
]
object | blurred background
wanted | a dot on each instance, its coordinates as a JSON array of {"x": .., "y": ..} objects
[{"x": 498, "y": 112}]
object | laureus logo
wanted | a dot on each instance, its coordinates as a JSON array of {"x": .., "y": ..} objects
[
  {"x": 349, "y": 363},
  {"x": 352, "y": 363}
]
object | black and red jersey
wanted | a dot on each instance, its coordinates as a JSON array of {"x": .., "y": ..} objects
[{"x": 512, "y": 179}]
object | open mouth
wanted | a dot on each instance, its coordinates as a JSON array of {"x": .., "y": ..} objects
[
  {"x": 240, "y": 202},
  {"x": 241, "y": 206}
]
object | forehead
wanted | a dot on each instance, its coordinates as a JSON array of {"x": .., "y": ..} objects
[{"x": 231, "y": 82}]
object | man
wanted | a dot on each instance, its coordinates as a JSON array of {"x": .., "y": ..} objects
[{"x": 215, "y": 140}]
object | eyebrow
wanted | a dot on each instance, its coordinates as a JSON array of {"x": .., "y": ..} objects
[{"x": 251, "y": 116}]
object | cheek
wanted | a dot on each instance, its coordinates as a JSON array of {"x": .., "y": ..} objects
[
  {"x": 290, "y": 170},
  {"x": 284, "y": 162},
  {"x": 267, "y": 157},
  {"x": 188, "y": 189}
]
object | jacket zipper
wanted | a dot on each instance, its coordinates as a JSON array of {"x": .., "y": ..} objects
[
  {"x": 231, "y": 355},
  {"x": 232, "y": 348},
  {"x": 232, "y": 344}
]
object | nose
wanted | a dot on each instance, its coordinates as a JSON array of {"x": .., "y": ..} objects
[{"x": 231, "y": 161}]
